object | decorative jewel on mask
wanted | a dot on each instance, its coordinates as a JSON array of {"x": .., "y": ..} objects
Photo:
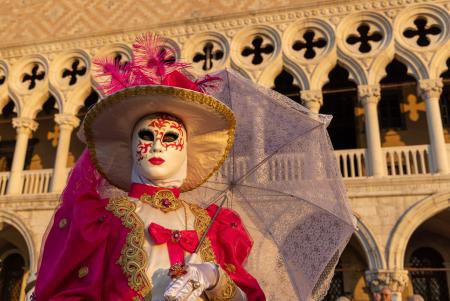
[{"x": 163, "y": 200}]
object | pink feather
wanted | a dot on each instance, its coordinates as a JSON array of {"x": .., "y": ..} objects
[
  {"x": 153, "y": 63},
  {"x": 208, "y": 84},
  {"x": 115, "y": 76},
  {"x": 154, "y": 58}
]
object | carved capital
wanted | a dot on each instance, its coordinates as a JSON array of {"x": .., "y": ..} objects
[
  {"x": 369, "y": 94},
  {"x": 430, "y": 88},
  {"x": 24, "y": 124},
  {"x": 395, "y": 280},
  {"x": 312, "y": 96},
  {"x": 67, "y": 120},
  {"x": 312, "y": 99}
]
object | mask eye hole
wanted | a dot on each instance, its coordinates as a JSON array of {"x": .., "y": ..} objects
[
  {"x": 170, "y": 137},
  {"x": 146, "y": 135}
]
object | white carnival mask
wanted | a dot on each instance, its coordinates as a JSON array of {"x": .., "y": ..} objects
[{"x": 159, "y": 151}]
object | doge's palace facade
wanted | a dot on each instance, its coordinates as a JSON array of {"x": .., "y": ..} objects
[{"x": 396, "y": 170}]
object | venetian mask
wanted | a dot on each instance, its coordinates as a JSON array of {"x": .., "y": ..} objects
[{"x": 159, "y": 151}]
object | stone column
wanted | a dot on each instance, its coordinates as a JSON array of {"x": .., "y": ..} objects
[
  {"x": 66, "y": 124},
  {"x": 430, "y": 90},
  {"x": 369, "y": 96},
  {"x": 395, "y": 280},
  {"x": 312, "y": 99},
  {"x": 24, "y": 127}
]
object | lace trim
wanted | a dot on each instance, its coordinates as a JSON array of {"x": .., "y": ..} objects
[
  {"x": 133, "y": 258},
  {"x": 202, "y": 220},
  {"x": 323, "y": 284}
]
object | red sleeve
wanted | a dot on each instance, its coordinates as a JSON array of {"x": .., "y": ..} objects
[{"x": 232, "y": 245}]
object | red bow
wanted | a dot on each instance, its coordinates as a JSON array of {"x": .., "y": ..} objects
[{"x": 177, "y": 241}]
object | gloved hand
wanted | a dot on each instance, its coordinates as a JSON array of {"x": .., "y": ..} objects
[{"x": 190, "y": 286}]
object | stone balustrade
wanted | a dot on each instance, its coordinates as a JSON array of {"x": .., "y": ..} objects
[{"x": 412, "y": 160}]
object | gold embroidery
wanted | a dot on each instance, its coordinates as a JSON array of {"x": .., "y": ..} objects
[
  {"x": 183, "y": 95},
  {"x": 133, "y": 259},
  {"x": 202, "y": 220},
  {"x": 225, "y": 289},
  {"x": 163, "y": 200},
  {"x": 63, "y": 223},
  {"x": 83, "y": 271},
  {"x": 228, "y": 291},
  {"x": 230, "y": 267},
  {"x": 146, "y": 298}
]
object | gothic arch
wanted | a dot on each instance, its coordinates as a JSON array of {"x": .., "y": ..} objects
[
  {"x": 70, "y": 95},
  {"x": 372, "y": 250},
  {"x": 416, "y": 66},
  {"x": 35, "y": 95},
  {"x": 418, "y": 58},
  {"x": 439, "y": 63},
  {"x": 15, "y": 221},
  {"x": 296, "y": 71},
  {"x": 355, "y": 70},
  {"x": 409, "y": 222}
]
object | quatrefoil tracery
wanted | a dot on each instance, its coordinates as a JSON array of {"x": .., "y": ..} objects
[
  {"x": 364, "y": 38},
  {"x": 310, "y": 44},
  {"x": 423, "y": 31}
]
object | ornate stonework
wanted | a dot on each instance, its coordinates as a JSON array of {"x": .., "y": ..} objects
[{"x": 395, "y": 280}]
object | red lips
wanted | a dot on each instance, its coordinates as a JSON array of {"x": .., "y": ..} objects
[{"x": 156, "y": 161}]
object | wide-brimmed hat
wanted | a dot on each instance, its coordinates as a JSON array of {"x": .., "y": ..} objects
[{"x": 133, "y": 93}]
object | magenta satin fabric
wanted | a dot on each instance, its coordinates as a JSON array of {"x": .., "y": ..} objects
[
  {"x": 92, "y": 237},
  {"x": 232, "y": 245}
]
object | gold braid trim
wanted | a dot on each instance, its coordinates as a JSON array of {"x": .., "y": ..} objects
[
  {"x": 202, "y": 220},
  {"x": 225, "y": 288},
  {"x": 133, "y": 258}
]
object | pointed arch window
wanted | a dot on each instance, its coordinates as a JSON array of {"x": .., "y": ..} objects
[
  {"x": 428, "y": 275},
  {"x": 11, "y": 274}
]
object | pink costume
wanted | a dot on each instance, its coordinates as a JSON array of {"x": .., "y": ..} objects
[
  {"x": 94, "y": 248},
  {"x": 120, "y": 248}
]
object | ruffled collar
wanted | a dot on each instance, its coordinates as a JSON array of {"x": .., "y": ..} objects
[{"x": 137, "y": 190}]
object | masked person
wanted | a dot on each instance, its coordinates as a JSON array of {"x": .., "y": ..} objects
[{"x": 155, "y": 136}]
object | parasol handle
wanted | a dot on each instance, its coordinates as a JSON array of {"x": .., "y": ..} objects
[{"x": 225, "y": 198}]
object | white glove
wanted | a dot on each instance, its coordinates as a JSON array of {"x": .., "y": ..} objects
[{"x": 190, "y": 286}]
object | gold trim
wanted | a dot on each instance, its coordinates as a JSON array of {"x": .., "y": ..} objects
[
  {"x": 230, "y": 268},
  {"x": 202, "y": 220},
  {"x": 182, "y": 94},
  {"x": 133, "y": 258},
  {"x": 157, "y": 200},
  {"x": 224, "y": 290}
]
